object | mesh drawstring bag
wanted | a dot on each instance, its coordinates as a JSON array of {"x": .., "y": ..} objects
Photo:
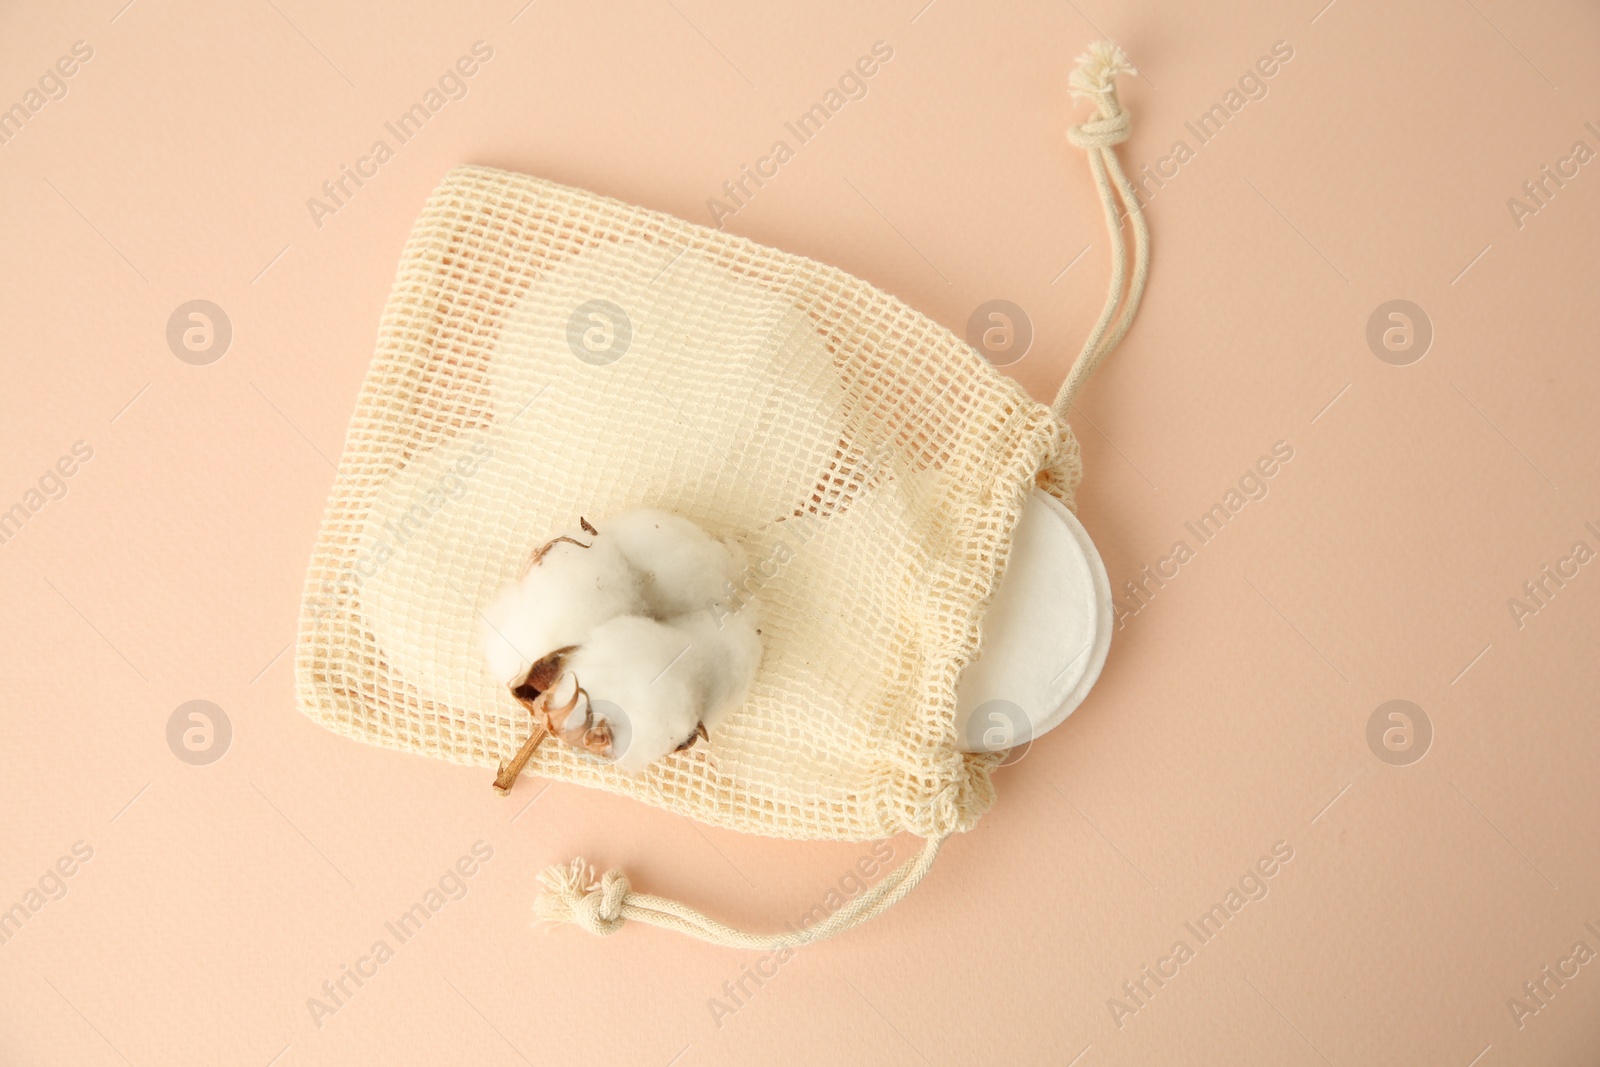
[{"x": 547, "y": 353}]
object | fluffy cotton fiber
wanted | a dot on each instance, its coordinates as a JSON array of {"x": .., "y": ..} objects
[{"x": 637, "y": 612}]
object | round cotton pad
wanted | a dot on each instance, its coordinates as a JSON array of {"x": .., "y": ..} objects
[{"x": 1045, "y": 635}]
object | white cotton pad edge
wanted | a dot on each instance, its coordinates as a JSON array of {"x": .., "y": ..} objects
[{"x": 1045, "y": 636}]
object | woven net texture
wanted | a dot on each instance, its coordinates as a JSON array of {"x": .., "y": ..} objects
[{"x": 546, "y": 354}]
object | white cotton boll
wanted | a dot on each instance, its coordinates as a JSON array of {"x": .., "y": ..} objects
[
  {"x": 505, "y": 629},
  {"x": 564, "y": 596},
  {"x": 683, "y": 568},
  {"x": 723, "y": 656},
  {"x": 629, "y": 668},
  {"x": 644, "y": 605}
]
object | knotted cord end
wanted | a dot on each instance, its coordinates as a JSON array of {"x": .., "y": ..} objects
[
  {"x": 1095, "y": 80},
  {"x": 571, "y": 895},
  {"x": 1097, "y": 70}
]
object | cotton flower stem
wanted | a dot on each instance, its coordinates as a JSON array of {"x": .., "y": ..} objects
[
  {"x": 510, "y": 772},
  {"x": 546, "y": 719}
]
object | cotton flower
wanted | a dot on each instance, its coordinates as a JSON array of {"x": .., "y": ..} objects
[{"x": 621, "y": 639}]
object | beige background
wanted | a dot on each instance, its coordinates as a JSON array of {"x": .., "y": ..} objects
[{"x": 1232, "y": 714}]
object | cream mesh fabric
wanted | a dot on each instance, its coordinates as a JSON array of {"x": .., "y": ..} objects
[{"x": 870, "y": 463}]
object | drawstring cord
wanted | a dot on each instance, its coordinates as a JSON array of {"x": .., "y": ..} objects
[
  {"x": 572, "y": 895},
  {"x": 1095, "y": 80}
]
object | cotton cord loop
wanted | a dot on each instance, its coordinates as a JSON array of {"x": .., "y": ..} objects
[
  {"x": 572, "y": 894},
  {"x": 1101, "y": 133},
  {"x": 1095, "y": 80}
]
